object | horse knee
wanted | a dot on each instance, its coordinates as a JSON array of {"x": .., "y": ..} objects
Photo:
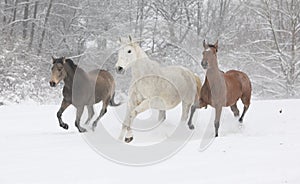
[{"x": 58, "y": 114}]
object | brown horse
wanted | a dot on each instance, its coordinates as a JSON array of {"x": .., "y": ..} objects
[
  {"x": 222, "y": 89},
  {"x": 82, "y": 89}
]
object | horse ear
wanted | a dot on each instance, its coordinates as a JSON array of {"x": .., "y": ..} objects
[
  {"x": 217, "y": 45},
  {"x": 53, "y": 59},
  {"x": 120, "y": 40},
  {"x": 205, "y": 45}
]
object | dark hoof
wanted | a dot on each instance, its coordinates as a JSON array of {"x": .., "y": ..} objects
[
  {"x": 82, "y": 130},
  {"x": 241, "y": 120},
  {"x": 64, "y": 126},
  {"x": 128, "y": 140},
  {"x": 216, "y": 135},
  {"x": 192, "y": 127}
]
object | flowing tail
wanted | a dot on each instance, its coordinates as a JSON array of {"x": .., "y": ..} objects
[{"x": 112, "y": 101}]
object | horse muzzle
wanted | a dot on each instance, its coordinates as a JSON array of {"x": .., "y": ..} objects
[
  {"x": 52, "y": 83},
  {"x": 204, "y": 65},
  {"x": 120, "y": 70}
]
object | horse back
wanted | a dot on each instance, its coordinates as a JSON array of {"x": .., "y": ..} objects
[{"x": 104, "y": 84}]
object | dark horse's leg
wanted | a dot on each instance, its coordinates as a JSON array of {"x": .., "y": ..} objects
[
  {"x": 190, "y": 123},
  {"x": 91, "y": 113},
  {"x": 78, "y": 116},
  {"x": 162, "y": 115},
  {"x": 217, "y": 120},
  {"x": 102, "y": 112},
  {"x": 235, "y": 110},
  {"x": 64, "y": 105}
]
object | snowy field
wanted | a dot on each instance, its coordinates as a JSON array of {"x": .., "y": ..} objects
[{"x": 34, "y": 149}]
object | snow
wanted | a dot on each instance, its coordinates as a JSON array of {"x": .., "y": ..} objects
[{"x": 34, "y": 149}]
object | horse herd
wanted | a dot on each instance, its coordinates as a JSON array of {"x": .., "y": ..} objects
[{"x": 152, "y": 86}]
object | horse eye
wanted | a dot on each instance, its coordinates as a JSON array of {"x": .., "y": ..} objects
[{"x": 129, "y": 51}]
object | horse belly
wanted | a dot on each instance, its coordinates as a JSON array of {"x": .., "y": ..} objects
[{"x": 161, "y": 93}]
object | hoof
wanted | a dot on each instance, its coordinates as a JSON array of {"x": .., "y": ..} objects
[
  {"x": 82, "y": 130},
  {"x": 241, "y": 120},
  {"x": 216, "y": 135},
  {"x": 128, "y": 140},
  {"x": 64, "y": 126},
  {"x": 192, "y": 127},
  {"x": 93, "y": 128}
]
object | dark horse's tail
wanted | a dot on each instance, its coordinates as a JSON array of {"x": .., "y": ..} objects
[{"x": 112, "y": 101}]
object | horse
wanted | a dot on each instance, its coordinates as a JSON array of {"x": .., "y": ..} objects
[
  {"x": 82, "y": 89},
  {"x": 222, "y": 89},
  {"x": 153, "y": 86}
]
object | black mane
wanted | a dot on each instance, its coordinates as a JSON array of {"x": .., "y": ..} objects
[
  {"x": 68, "y": 61},
  {"x": 213, "y": 46}
]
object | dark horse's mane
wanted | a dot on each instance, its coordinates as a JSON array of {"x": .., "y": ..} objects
[{"x": 68, "y": 61}]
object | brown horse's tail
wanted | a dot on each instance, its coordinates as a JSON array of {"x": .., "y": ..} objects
[{"x": 112, "y": 101}]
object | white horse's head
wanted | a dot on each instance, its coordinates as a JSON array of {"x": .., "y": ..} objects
[{"x": 127, "y": 55}]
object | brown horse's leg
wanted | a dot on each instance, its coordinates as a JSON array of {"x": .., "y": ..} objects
[
  {"x": 77, "y": 121},
  {"x": 90, "y": 113},
  {"x": 64, "y": 105},
  {"x": 235, "y": 110},
  {"x": 217, "y": 120},
  {"x": 246, "y": 102},
  {"x": 102, "y": 112},
  {"x": 243, "y": 114}
]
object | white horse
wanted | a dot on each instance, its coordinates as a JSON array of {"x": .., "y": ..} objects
[{"x": 154, "y": 86}]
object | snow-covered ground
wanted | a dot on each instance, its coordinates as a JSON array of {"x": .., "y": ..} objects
[{"x": 34, "y": 149}]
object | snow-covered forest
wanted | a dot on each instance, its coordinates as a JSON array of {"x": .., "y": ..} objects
[{"x": 261, "y": 38}]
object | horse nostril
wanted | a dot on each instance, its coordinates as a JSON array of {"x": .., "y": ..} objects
[
  {"x": 120, "y": 69},
  {"x": 52, "y": 84}
]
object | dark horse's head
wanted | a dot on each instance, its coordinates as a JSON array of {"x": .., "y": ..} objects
[
  {"x": 209, "y": 51},
  {"x": 58, "y": 72}
]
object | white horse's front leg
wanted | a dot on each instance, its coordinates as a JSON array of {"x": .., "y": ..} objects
[{"x": 143, "y": 106}]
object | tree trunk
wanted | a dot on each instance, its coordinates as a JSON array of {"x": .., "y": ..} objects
[
  {"x": 25, "y": 19},
  {"x": 44, "y": 28},
  {"x": 14, "y": 17},
  {"x": 33, "y": 24}
]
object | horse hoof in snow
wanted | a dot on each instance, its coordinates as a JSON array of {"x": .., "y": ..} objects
[
  {"x": 65, "y": 126},
  {"x": 128, "y": 140},
  {"x": 192, "y": 127}
]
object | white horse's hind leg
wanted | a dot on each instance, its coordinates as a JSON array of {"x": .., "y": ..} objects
[
  {"x": 162, "y": 115},
  {"x": 185, "y": 112}
]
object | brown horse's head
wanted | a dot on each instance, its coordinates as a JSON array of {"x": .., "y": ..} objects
[
  {"x": 209, "y": 52},
  {"x": 58, "y": 72}
]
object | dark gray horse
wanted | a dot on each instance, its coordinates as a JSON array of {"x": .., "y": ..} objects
[{"x": 82, "y": 89}]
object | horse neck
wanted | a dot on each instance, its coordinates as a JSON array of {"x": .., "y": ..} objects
[
  {"x": 213, "y": 72},
  {"x": 213, "y": 65},
  {"x": 68, "y": 80},
  {"x": 144, "y": 64}
]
